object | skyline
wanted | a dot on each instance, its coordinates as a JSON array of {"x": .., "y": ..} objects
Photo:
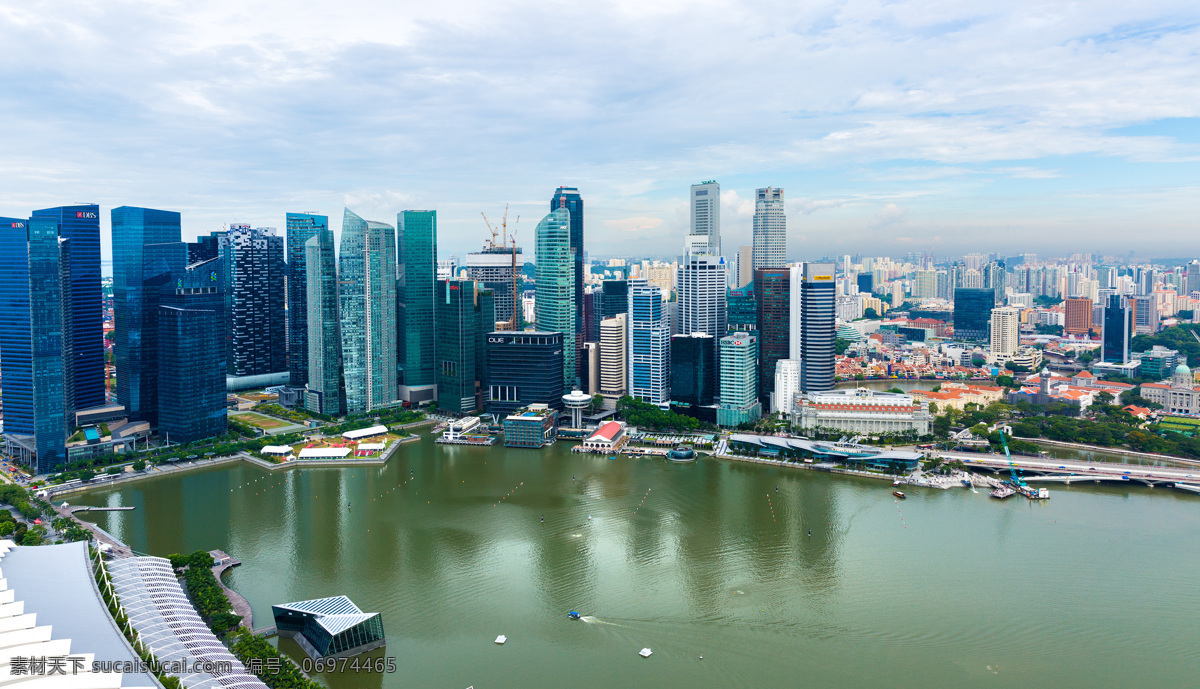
[{"x": 900, "y": 128}]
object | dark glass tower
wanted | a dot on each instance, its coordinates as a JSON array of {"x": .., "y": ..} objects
[
  {"x": 300, "y": 228},
  {"x": 254, "y": 300},
  {"x": 191, "y": 354},
  {"x": 80, "y": 225},
  {"x": 569, "y": 198},
  {"x": 465, "y": 315},
  {"x": 1117, "y": 331},
  {"x": 743, "y": 309},
  {"x": 524, "y": 368},
  {"x": 972, "y": 309},
  {"x": 416, "y": 289},
  {"x": 818, "y": 328},
  {"x": 146, "y": 253},
  {"x": 866, "y": 282},
  {"x": 773, "y": 289},
  {"x": 16, "y": 364},
  {"x": 693, "y": 370},
  {"x": 48, "y": 325}
]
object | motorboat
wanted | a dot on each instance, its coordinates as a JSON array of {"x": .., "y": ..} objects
[
  {"x": 900, "y": 495},
  {"x": 967, "y": 482},
  {"x": 574, "y": 615}
]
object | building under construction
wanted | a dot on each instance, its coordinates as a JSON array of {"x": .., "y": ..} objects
[{"x": 492, "y": 268}]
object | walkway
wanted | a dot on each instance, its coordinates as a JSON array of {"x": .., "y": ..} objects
[
  {"x": 117, "y": 549},
  {"x": 240, "y": 605}
]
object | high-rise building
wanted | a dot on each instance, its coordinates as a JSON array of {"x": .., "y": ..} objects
[
  {"x": 611, "y": 299},
  {"x": 818, "y": 327},
  {"x": 706, "y": 215},
  {"x": 701, "y": 289},
  {"x": 465, "y": 316},
  {"x": 568, "y": 198},
  {"x": 555, "y": 287},
  {"x": 693, "y": 369},
  {"x": 972, "y": 306},
  {"x": 1117, "y": 330},
  {"x": 739, "y": 380},
  {"x": 191, "y": 354},
  {"x": 1146, "y": 318},
  {"x": 1078, "y": 316},
  {"x": 492, "y": 268},
  {"x": 745, "y": 266},
  {"x": 367, "y": 301},
  {"x": 614, "y": 355},
  {"x": 772, "y": 287},
  {"x": 865, "y": 282},
  {"x": 80, "y": 226},
  {"x": 300, "y": 228},
  {"x": 787, "y": 385},
  {"x": 1005, "y": 332},
  {"x": 770, "y": 229},
  {"x": 16, "y": 363},
  {"x": 523, "y": 368},
  {"x": 416, "y": 297},
  {"x": 324, "y": 394},
  {"x": 742, "y": 308},
  {"x": 649, "y": 344},
  {"x": 203, "y": 249},
  {"x": 146, "y": 254},
  {"x": 925, "y": 285},
  {"x": 255, "y": 278}
]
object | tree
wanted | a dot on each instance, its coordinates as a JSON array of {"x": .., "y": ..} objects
[
  {"x": 870, "y": 312},
  {"x": 1016, "y": 368},
  {"x": 897, "y": 391},
  {"x": 840, "y": 346},
  {"x": 1006, "y": 381},
  {"x": 87, "y": 475},
  {"x": 139, "y": 465}
]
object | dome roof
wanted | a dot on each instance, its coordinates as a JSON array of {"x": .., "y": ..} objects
[{"x": 1183, "y": 368}]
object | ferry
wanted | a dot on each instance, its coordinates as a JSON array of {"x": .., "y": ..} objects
[{"x": 900, "y": 495}]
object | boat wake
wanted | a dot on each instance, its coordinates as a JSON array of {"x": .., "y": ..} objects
[{"x": 596, "y": 620}]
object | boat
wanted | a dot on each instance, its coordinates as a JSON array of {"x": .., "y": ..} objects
[
  {"x": 897, "y": 482},
  {"x": 501, "y": 639},
  {"x": 900, "y": 495},
  {"x": 645, "y": 652},
  {"x": 1002, "y": 492},
  {"x": 967, "y": 482},
  {"x": 574, "y": 615}
]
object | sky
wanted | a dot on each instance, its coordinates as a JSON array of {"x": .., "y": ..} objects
[{"x": 941, "y": 126}]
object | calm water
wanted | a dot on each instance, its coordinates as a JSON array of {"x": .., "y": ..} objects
[{"x": 1096, "y": 587}]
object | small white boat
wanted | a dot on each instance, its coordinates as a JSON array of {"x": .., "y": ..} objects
[
  {"x": 501, "y": 639},
  {"x": 645, "y": 652}
]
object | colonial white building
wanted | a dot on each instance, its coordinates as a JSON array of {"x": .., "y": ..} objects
[
  {"x": 1180, "y": 395},
  {"x": 862, "y": 411}
]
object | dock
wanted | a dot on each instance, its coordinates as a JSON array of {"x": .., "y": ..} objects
[{"x": 88, "y": 508}]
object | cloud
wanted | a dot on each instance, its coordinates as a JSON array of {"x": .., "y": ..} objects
[
  {"x": 633, "y": 224},
  {"x": 890, "y": 214}
]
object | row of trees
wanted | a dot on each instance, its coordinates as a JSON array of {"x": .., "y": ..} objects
[
  {"x": 647, "y": 416},
  {"x": 205, "y": 592}
]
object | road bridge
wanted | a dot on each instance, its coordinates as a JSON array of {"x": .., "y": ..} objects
[{"x": 1035, "y": 469}]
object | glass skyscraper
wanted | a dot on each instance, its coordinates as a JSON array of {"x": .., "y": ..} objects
[
  {"x": 555, "y": 293},
  {"x": 569, "y": 198},
  {"x": 1117, "y": 329},
  {"x": 367, "y": 297},
  {"x": 300, "y": 228},
  {"x": 743, "y": 309},
  {"x": 818, "y": 327},
  {"x": 416, "y": 289},
  {"x": 146, "y": 253},
  {"x": 465, "y": 315},
  {"x": 693, "y": 369},
  {"x": 48, "y": 326},
  {"x": 16, "y": 363},
  {"x": 772, "y": 288},
  {"x": 739, "y": 380},
  {"x": 255, "y": 275},
  {"x": 191, "y": 354},
  {"x": 972, "y": 307},
  {"x": 649, "y": 344},
  {"x": 324, "y": 393},
  {"x": 80, "y": 225},
  {"x": 521, "y": 369}
]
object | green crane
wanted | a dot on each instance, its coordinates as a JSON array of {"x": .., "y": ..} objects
[{"x": 1012, "y": 467}]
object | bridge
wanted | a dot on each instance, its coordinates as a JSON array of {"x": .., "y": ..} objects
[{"x": 1035, "y": 470}]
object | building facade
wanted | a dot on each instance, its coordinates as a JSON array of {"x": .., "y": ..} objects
[
  {"x": 1078, "y": 315},
  {"x": 614, "y": 356},
  {"x": 416, "y": 297},
  {"x": 972, "y": 306},
  {"x": 568, "y": 198},
  {"x": 523, "y": 368},
  {"x": 787, "y": 385},
  {"x": 739, "y": 380},
  {"x": 862, "y": 411},
  {"x": 324, "y": 393},
  {"x": 367, "y": 305},
  {"x": 465, "y": 316},
  {"x": 706, "y": 215},
  {"x": 1179, "y": 395},
  {"x": 649, "y": 344},
  {"x": 818, "y": 327},
  {"x": 255, "y": 279},
  {"x": 742, "y": 309},
  {"x": 770, "y": 229},
  {"x": 701, "y": 289},
  {"x": 693, "y": 369},
  {"x": 1005, "y": 332},
  {"x": 1117, "y": 330},
  {"x": 772, "y": 289},
  {"x": 300, "y": 228},
  {"x": 493, "y": 269},
  {"x": 555, "y": 286},
  {"x": 191, "y": 358}
]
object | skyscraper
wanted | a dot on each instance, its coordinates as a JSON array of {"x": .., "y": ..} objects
[
  {"x": 146, "y": 253},
  {"x": 742, "y": 308},
  {"x": 787, "y": 385},
  {"x": 613, "y": 299},
  {"x": 16, "y": 345},
  {"x": 1078, "y": 316},
  {"x": 773, "y": 294},
  {"x": 1005, "y": 331},
  {"x": 492, "y": 268},
  {"x": 569, "y": 198},
  {"x": 255, "y": 277},
  {"x": 649, "y": 344},
  {"x": 739, "y": 380},
  {"x": 555, "y": 287},
  {"x": 367, "y": 300},
  {"x": 324, "y": 393},
  {"x": 770, "y": 229},
  {"x": 416, "y": 295},
  {"x": 300, "y": 228},
  {"x": 701, "y": 290},
  {"x": 818, "y": 327},
  {"x": 693, "y": 369},
  {"x": 614, "y": 356},
  {"x": 523, "y": 368},
  {"x": 80, "y": 224},
  {"x": 972, "y": 306},
  {"x": 465, "y": 316},
  {"x": 191, "y": 354},
  {"x": 745, "y": 266},
  {"x": 706, "y": 215}
]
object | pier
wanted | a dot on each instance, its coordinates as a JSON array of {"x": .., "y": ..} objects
[{"x": 221, "y": 562}]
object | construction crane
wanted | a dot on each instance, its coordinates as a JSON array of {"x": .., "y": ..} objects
[
  {"x": 1012, "y": 467},
  {"x": 514, "y": 321}
]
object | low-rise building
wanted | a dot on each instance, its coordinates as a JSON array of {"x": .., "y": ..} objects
[
  {"x": 532, "y": 427},
  {"x": 862, "y": 411},
  {"x": 1179, "y": 395},
  {"x": 608, "y": 438}
]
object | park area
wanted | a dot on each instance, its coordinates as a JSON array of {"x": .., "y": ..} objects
[
  {"x": 262, "y": 421},
  {"x": 369, "y": 443}
]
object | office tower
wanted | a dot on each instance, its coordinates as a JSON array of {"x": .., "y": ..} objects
[
  {"x": 324, "y": 394},
  {"x": 745, "y": 266},
  {"x": 555, "y": 287},
  {"x": 524, "y": 368},
  {"x": 1193, "y": 277},
  {"x": 465, "y": 316},
  {"x": 972, "y": 306},
  {"x": 1117, "y": 330},
  {"x": 203, "y": 249},
  {"x": 739, "y": 380},
  {"x": 367, "y": 301},
  {"x": 818, "y": 327},
  {"x": 706, "y": 215},
  {"x": 568, "y": 198},
  {"x": 590, "y": 322},
  {"x": 16, "y": 364},
  {"x": 772, "y": 287},
  {"x": 770, "y": 229},
  {"x": 492, "y": 268},
  {"x": 416, "y": 297},
  {"x": 1078, "y": 316},
  {"x": 591, "y": 354},
  {"x": 614, "y": 355},
  {"x": 925, "y": 284},
  {"x": 865, "y": 282},
  {"x": 693, "y": 369},
  {"x": 701, "y": 289},
  {"x": 742, "y": 309},
  {"x": 146, "y": 253},
  {"x": 611, "y": 298},
  {"x": 1005, "y": 335},
  {"x": 1146, "y": 317},
  {"x": 191, "y": 354},
  {"x": 300, "y": 228},
  {"x": 787, "y": 385},
  {"x": 80, "y": 226},
  {"x": 255, "y": 278},
  {"x": 649, "y": 344}
]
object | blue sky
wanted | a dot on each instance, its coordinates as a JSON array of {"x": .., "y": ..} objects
[{"x": 892, "y": 126}]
